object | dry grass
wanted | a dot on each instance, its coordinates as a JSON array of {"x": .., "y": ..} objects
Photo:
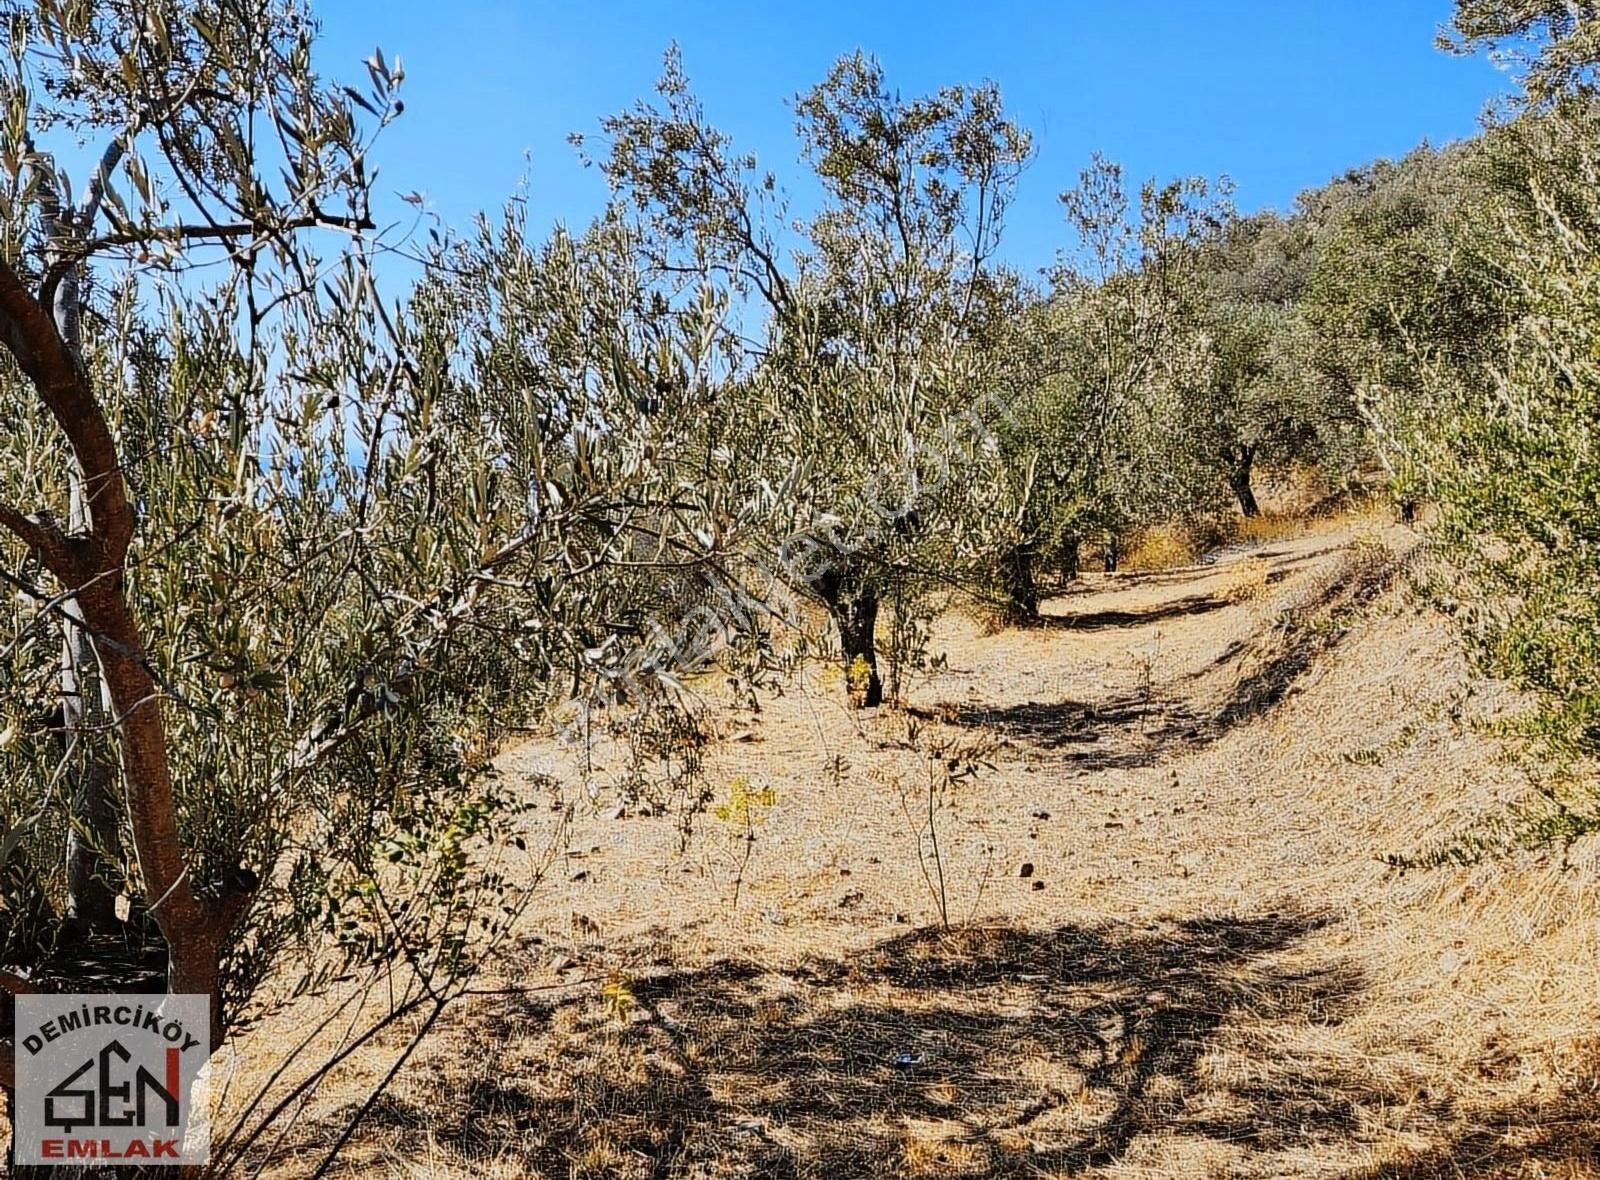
[
  {"x": 1270, "y": 527},
  {"x": 1163, "y": 548},
  {"x": 1249, "y": 580},
  {"x": 1205, "y": 971},
  {"x": 1295, "y": 516}
]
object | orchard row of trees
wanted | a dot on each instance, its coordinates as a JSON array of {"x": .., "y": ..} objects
[{"x": 288, "y": 555}]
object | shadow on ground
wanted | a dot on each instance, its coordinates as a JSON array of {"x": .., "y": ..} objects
[
  {"x": 1141, "y": 729},
  {"x": 1102, "y": 620},
  {"x": 1120, "y": 733},
  {"x": 1558, "y": 1135},
  {"x": 982, "y": 1052}
]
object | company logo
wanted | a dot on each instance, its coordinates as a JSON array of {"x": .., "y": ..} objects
[{"x": 112, "y": 1079}]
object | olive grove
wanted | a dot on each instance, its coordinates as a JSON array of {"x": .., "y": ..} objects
[{"x": 292, "y": 545}]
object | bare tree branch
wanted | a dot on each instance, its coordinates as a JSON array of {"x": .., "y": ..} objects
[{"x": 224, "y": 231}]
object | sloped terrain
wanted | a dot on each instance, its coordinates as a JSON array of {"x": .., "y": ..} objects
[{"x": 1175, "y": 948}]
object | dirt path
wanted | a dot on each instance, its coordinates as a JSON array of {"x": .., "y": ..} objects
[{"x": 1177, "y": 952}]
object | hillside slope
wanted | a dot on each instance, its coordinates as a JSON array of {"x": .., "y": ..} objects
[{"x": 1177, "y": 951}]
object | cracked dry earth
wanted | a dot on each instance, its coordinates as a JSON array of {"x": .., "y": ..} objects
[{"x": 1175, "y": 951}]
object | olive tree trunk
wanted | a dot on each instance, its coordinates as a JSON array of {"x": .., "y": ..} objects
[
  {"x": 1022, "y": 589},
  {"x": 1242, "y": 460},
  {"x": 90, "y": 564},
  {"x": 1071, "y": 559},
  {"x": 852, "y": 602}
]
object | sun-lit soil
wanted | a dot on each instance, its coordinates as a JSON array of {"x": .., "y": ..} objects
[{"x": 1175, "y": 949}]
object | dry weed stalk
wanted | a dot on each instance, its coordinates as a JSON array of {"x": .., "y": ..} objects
[{"x": 947, "y": 762}]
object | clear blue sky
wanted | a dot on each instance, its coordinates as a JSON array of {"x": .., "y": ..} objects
[{"x": 1279, "y": 94}]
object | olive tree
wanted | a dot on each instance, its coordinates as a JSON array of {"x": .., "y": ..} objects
[
  {"x": 216, "y": 139},
  {"x": 877, "y": 315},
  {"x": 1555, "y": 43},
  {"x": 331, "y": 544},
  {"x": 1259, "y": 406},
  {"x": 1394, "y": 290},
  {"x": 1503, "y": 437},
  {"x": 1108, "y": 444}
]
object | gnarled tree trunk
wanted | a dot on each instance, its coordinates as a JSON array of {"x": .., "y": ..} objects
[
  {"x": 1022, "y": 590},
  {"x": 852, "y": 602},
  {"x": 1241, "y": 460},
  {"x": 1071, "y": 559}
]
